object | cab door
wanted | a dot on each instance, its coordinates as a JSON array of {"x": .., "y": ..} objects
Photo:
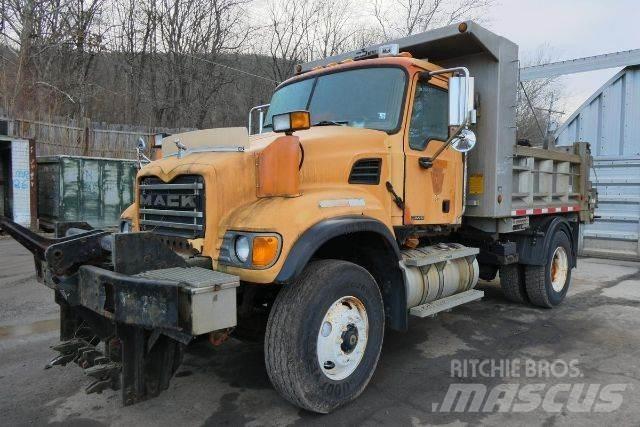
[{"x": 433, "y": 195}]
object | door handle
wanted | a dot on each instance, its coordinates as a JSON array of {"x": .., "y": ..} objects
[{"x": 425, "y": 162}]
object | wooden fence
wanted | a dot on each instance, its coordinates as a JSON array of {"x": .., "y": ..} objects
[{"x": 84, "y": 137}]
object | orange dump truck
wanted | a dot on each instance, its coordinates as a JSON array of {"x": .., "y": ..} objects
[{"x": 380, "y": 184}]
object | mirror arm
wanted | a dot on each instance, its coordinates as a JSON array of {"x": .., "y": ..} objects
[
  {"x": 427, "y": 162},
  {"x": 142, "y": 158},
  {"x": 261, "y": 109}
]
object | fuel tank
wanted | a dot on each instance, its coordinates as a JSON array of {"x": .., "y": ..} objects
[{"x": 439, "y": 271}]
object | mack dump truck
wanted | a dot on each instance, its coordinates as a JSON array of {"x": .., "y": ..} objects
[{"x": 359, "y": 201}]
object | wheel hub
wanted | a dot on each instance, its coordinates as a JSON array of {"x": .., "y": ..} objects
[
  {"x": 349, "y": 339},
  {"x": 559, "y": 269},
  {"x": 342, "y": 338}
]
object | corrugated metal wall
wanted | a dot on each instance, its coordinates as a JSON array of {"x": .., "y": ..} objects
[{"x": 610, "y": 121}]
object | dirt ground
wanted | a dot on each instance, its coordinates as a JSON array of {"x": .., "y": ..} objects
[{"x": 596, "y": 332}]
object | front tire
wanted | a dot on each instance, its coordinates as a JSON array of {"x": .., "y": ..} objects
[
  {"x": 547, "y": 285},
  {"x": 324, "y": 335}
]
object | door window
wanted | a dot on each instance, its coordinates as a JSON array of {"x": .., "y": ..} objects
[{"x": 430, "y": 116}]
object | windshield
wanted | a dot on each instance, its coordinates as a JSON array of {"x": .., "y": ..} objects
[{"x": 365, "y": 97}]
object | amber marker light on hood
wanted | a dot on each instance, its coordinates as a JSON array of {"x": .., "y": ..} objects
[
  {"x": 291, "y": 121},
  {"x": 265, "y": 250}
]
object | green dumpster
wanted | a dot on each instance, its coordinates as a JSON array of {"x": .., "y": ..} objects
[{"x": 91, "y": 189}]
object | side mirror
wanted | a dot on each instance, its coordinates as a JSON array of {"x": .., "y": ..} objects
[
  {"x": 461, "y": 101},
  {"x": 140, "y": 146},
  {"x": 464, "y": 141}
]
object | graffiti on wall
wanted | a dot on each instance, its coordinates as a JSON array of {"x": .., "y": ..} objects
[{"x": 21, "y": 179}]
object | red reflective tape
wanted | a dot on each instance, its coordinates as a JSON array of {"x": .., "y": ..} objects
[{"x": 542, "y": 211}]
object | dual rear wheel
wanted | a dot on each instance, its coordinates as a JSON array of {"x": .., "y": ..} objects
[{"x": 542, "y": 285}]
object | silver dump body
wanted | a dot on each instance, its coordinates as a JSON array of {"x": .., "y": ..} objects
[{"x": 504, "y": 180}]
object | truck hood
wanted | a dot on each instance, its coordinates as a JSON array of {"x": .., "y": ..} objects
[
  {"x": 341, "y": 143},
  {"x": 230, "y": 177}
]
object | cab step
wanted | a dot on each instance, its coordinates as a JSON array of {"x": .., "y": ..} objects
[{"x": 431, "y": 308}]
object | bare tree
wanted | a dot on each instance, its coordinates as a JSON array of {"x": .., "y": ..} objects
[
  {"x": 334, "y": 29},
  {"x": 54, "y": 43},
  {"x": 290, "y": 34},
  {"x": 182, "y": 63},
  {"x": 132, "y": 38},
  {"x": 399, "y": 18},
  {"x": 83, "y": 22},
  {"x": 538, "y": 110},
  {"x": 194, "y": 35},
  {"x": 19, "y": 23}
]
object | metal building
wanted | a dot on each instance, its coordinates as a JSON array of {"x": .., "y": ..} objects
[{"x": 610, "y": 121}]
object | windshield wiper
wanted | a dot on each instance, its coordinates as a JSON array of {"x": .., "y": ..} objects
[
  {"x": 331, "y": 123},
  {"x": 268, "y": 125}
]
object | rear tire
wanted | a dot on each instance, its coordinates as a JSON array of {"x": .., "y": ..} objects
[
  {"x": 512, "y": 283},
  {"x": 547, "y": 285},
  {"x": 333, "y": 312}
]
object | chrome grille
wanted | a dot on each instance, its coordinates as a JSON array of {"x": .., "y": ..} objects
[{"x": 173, "y": 208}]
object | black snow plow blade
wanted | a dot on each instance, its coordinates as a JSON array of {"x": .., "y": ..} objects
[{"x": 126, "y": 331}]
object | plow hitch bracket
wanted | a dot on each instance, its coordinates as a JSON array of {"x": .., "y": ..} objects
[{"x": 62, "y": 254}]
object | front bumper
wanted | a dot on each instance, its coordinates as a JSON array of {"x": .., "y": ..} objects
[
  {"x": 190, "y": 301},
  {"x": 131, "y": 278}
]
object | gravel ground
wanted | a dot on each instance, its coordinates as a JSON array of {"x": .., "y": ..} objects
[{"x": 595, "y": 332}]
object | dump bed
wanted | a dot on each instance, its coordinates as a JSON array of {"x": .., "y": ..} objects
[
  {"x": 551, "y": 181},
  {"x": 504, "y": 180}
]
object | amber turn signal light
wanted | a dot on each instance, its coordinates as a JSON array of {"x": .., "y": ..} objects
[
  {"x": 291, "y": 121},
  {"x": 265, "y": 250}
]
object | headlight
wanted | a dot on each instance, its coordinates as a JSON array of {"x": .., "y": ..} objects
[
  {"x": 242, "y": 248},
  {"x": 250, "y": 250},
  {"x": 125, "y": 226}
]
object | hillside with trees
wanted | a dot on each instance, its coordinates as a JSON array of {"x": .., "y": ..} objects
[{"x": 185, "y": 63}]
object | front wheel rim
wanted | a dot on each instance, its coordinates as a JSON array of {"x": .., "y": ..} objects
[
  {"x": 342, "y": 338},
  {"x": 559, "y": 268}
]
